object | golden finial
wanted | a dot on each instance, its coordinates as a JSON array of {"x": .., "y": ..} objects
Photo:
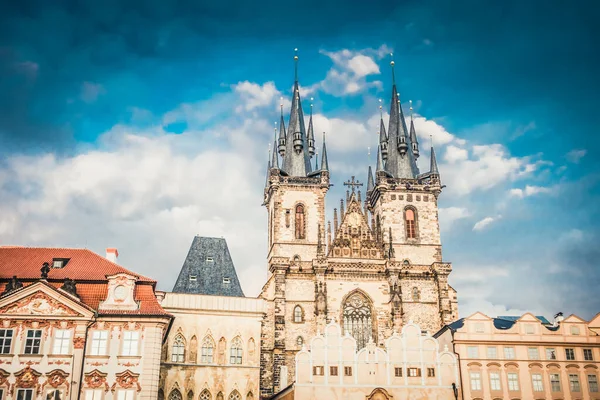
[
  {"x": 311, "y": 103},
  {"x": 392, "y": 63},
  {"x": 296, "y": 64},
  {"x": 411, "y": 110}
]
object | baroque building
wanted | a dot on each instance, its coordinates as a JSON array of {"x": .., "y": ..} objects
[{"x": 377, "y": 268}]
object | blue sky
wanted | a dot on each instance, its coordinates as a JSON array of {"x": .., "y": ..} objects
[{"x": 139, "y": 125}]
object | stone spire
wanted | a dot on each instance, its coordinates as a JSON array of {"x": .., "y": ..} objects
[
  {"x": 311, "y": 133},
  {"x": 370, "y": 181},
  {"x": 274, "y": 158},
  {"x": 433, "y": 168},
  {"x": 324, "y": 161},
  {"x": 413, "y": 134},
  {"x": 296, "y": 161},
  {"x": 383, "y": 137},
  {"x": 400, "y": 162},
  {"x": 282, "y": 133},
  {"x": 380, "y": 166}
]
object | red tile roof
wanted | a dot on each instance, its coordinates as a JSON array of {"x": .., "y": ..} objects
[{"x": 88, "y": 269}]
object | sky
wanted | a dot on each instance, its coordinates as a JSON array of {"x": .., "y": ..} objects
[{"x": 138, "y": 125}]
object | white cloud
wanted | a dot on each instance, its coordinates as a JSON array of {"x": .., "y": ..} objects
[
  {"x": 455, "y": 154},
  {"x": 576, "y": 155},
  {"x": 427, "y": 128},
  {"x": 572, "y": 236},
  {"x": 529, "y": 191},
  {"x": 480, "y": 225},
  {"x": 254, "y": 95},
  {"x": 90, "y": 91},
  {"x": 343, "y": 135},
  {"x": 449, "y": 215}
]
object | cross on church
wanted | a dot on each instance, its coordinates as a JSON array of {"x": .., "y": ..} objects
[{"x": 353, "y": 184}]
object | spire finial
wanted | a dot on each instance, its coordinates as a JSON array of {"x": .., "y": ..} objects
[
  {"x": 316, "y": 160},
  {"x": 411, "y": 110},
  {"x": 296, "y": 64},
  {"x": 281, "y": 106},
  {"x": 392, "y": 63},
  {"x": 380, "y": 109},
  {"x": 311, "y": 105},
  {"x": 369, "y": 153}
]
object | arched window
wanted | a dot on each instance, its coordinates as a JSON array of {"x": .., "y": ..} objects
[
  {"x": 205, "y": 395},
  {"x": 193, "y": 356},
  {"x": 235, "y": 395},
  {"x": 249, "y": 396},
  {"x": 235, "y": 355},
  {"x": 190, "y": 395},
  {"x": 298, "y": 317},
  {"x": 357, "y": 317},
  {"x": 220, "y": 396},
  {"x": 410, "y": 223},
  {"x": 299, "y": 341},
  {"x": 415, "y": 294},
  {"x": 300, "y": 222},
  {"x": 178, "y": 353},
  {"x": 175, "y": 395},
  {"x": 208, "y": 347}
]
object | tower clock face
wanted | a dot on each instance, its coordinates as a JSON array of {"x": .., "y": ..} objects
[{"x": 120, "y": 292}]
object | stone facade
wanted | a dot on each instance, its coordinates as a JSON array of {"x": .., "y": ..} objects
[
  {"x": 525, "y": 358},
  {"x": 213, "y": 348}
]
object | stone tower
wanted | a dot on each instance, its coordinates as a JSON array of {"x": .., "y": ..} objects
[{"x": 377, "y": 269}]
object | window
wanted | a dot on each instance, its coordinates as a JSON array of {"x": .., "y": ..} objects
[
  {"x": 6, "y": 336},
  {"x": 62, "y": 340},
  {"x": 574, "y": 383},
  {"x": 297, "y": 314},
  {"x": 473, "y": 352},
  {"x": 495, "y": 381},
  {"x": 33, "y": 341},
  {"x": 529, "y": 329},
  {"x": 587, "y": 355},
  {"x": 318, "y": 370},
  {"x": 534, "y": 353},
  {"x": 593, "y": 383},
  {"x": 431, "y": 372},
  {"x": 125, "y": 394},
  {"x": 226, "y": 281},
  {"x": 333, "y": 371},
  {"x": 555, "y": 382},
  {"x": 175, "y": 395},
  {"x": 209, "y": 259},
  {"x": 358, "y": 318},
  {"x": 99, "y": 343},
  {"x": 574, "y": 330},
  {"x": 550, "y": 354},
  {"x": 130, "y": 343},
  {"x": 414, "y": 372},
  {"x": 59, "y": 262},
  {"x": 299, "y": 341},
  {"x": 411, "y": 228},
  {"x": 415, "y": 294},
  {"x": 509, "y": 353},
  {"x": 178, "y": 354},
  {"x": 479, "y": 327},
  {"x": 207, "y": 351},
  {"x": 398, "y": 372},
  {"x": 205, "y": 395},
  {"x": 300, "y": 228},
  {"x": 513, "y": 381},
  {"x": 347, "y": 371},
  {"x": 93, "y": 394},
  {"x": 235, "y": 395},
  {"x": 25, "y": 394},
  {"x": 193, "y": 278},
  {"x": 538, "y": 384},
  {"x": 235, "y": 355},
  {"x": 475, "y": 381},
  {"x": 55, "y": 394},
  {"x": 491, "y": 352},
  {"x": 570, "y": 354}
]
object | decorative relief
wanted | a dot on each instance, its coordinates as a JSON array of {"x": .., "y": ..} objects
[
  {"x": 95, "y": 380},
  {"x": 38, "y": 303},
  {"x": 27, "y": 378},
  {"x": 127, "y": 380},
  {"x": 78, "y": 342},
  {"x": 4, "y": 378},
  {"x": 57, "y": 378}
]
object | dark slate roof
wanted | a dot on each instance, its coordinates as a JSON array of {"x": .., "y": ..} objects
[
  {"x": 500, "y": 323},
  {"x": 210, "y": 275},
  {"x": 543, "y": 320}
]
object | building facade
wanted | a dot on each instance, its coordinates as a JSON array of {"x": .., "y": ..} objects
[
  {"x": 526, "y": 357},
  {"x": 376, "y": 267},
  {"x": 81, "y": 328}
]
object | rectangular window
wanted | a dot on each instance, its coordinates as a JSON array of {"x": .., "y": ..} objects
[
  {"x": 431, "y": 372},
  {"x": 125, "y": 395},
  {"x": 570, "y": 353},
  {"x": 574, "y": 383},
  {"x": 550, "y": 354},
  {"x": 538, "y": 384},
  {"x": 333, "y": 371},
  {"x": 555, "y": 382},
  {"x": 414, "y": 372},
  {"x": 347, "y": 371},
  {"x": 55, "y": 394},
  {"x": 33, "y": 341},
  {"x": 62, "y": 341},
  {"x": 473, "y": 352},
  {"x": 593, "y": 383},
  {"x": 587, "y": 355},
  {"x": 318, "y": 370},
  {"x": 93, "y": 394},
  {"x": 495, "y": 381},
  {"x": 475, "y": 381},
  {"x": 130, "y": 343},
  {"x": 25, "y": 394},
  {"x": 491, "y": 352},
  {"x": 398, "y": 372},
  {"x": 209, "y": 259},
  {"x": 99, "y": 343},
  {"x": 207, "y": 354},
  {"x": 1, "y": 394},
  {"x": 6, "y": 336},
  {"x": 193, "y": 278},
  {"x": 226, "y": 281},
  {"x": 513, "y": 381},
  {"x": 509, "y": 353},
  {"x": 534, "y": 353}
]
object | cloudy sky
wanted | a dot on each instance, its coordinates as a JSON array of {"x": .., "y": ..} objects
[{"x": 140, "y": 124}]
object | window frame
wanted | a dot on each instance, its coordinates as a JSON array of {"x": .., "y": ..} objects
[
  {"x": 96, "y": 394},
  {"x": 513, "y": 384},
  {"x": 236, "y": 351},
  {"x": 25, "y": 391},
  {"x": 555, "y": 385},
  {"x": 58, "y": 343},
  {"x": 495, "y": 377},
  {"x": 475, "y": 381},
  {"x": 536, "y": 355},
  {"x": 585, "y": 355},
  {"x": 96, "y": 342},
  {"x": 30, "y": 342},
  {"x": 509, "y": 353},
  {"x": 179, "y": 356},
  {"x": 298, "y": 314},
  {"x": 207, "y": 351},
  {"x": 430, "y": 372},
  {"x": 574, "y": 383},
  {"x": 570, "y": 354},
  {"x": 125, "y": 394},
  {"x": 299, "y": 221},
  {"x": 6, "y": 338},
  {"x": 333, "y": 370},
  {"x": 410, "y": 225},
  {"x": 550, "y": 353},
  {"x": 398, "y": 372},
  {"x": 495, "y": 356},
  {"x": 593, "y": 382},
  {"x": 473, "y": 351},
  {"x": 347, "y": 370},
  {"x": 537, "y": 384},
  {"x": 133, "y": 346}
]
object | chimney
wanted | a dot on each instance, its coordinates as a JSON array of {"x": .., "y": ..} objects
[{"x": 112, "y": 254}]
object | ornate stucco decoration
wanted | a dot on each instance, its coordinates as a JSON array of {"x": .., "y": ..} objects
[
  {"x": 38, "y": 303},
  {"x": 120, "y": 296},
  {"x": 27, "y": 378},
  {"x": 96, "y": 380},
  {"x": 57, "y": 378},
  {"x": 127, "y": 380}
]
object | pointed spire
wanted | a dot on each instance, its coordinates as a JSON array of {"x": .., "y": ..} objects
[
  {"x": 282, "y": 134},
  {"x": 380, "y": 167},
  {"x": 342, "y": 213},
  {"x": 413, "y": 134},
  {"x": 370, "y": 181},
  {"x": 324, "y": 161},
  {"x": 310, "y": 135},
  {"x": 268, "y": 169},
  {"x": 328, "y": 234},
  {"x": 383, "y": 138},
  {"x": 274, "y": 158},
  {"x": 316, "y": 161},
  {"x": 320, "y": 249},
  {"x": 335, "y": 221},
  {"x": 433, "y": 168}
]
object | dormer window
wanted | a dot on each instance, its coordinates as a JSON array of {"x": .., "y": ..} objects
[
  {"x": 193, "y": 278},
  {"x": 226, "y": 281},
  {"x": 209, "y": 259},
  {"x": 59, "y": 262}
]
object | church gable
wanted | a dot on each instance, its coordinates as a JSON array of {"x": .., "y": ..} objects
[
  {"x": 354, "y": 238},
  {"x": 41, "y": 299}
]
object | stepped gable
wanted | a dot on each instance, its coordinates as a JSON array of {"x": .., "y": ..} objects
[{"x": 208, "y": 269}]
